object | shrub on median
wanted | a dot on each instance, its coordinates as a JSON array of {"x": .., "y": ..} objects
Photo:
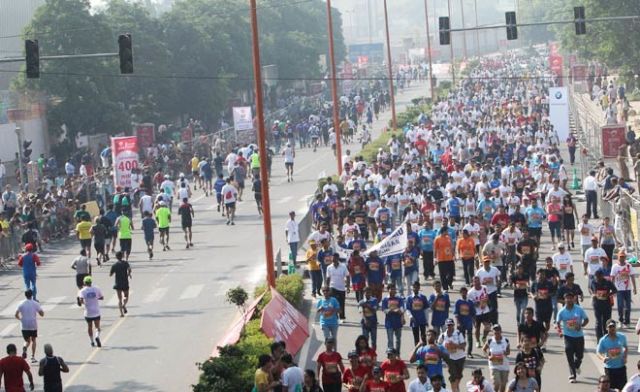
[{"x": 234, "y": 369}]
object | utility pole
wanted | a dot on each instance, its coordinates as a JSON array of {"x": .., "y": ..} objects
[
  {"x": 475, "y": 6},
  {"x": 262, "y": 148},
  {"x": 431, "y": 86},
  {"x": 453, "y": 65},
  {"x": 334, "y": 90},
  {"x": 20, "y": 167},
  {"x": 464, "y": 34},
  {"x": 394, "y": 123}
]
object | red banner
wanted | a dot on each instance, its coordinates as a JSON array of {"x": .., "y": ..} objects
[
  {"x": 282, "y": 322},
  {"x": 555, "y": 64},
  {"x": 145, "y": 134},
  {"x": 233, "y": 333},
  {"x": 612, "y": 138},
  {"x": 125, "y": 158}
]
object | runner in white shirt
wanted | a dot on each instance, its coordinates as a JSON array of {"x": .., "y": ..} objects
[
  {"x": 593, "y": 259},
  {"x": 479, "y": 295},
  {"x": 27, "y": 312},
  {"x": 623, "y": 277},
  {"x": 587, "y": 231},
  {"x": 562, "y": 261},
  {"x": 229, "y": 197},
  {"x": 89, "y": 297},
  {"x": 289, "y": 154},
  {"x": 146, "y": 204}
]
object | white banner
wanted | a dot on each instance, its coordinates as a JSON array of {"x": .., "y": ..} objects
[
  {"x": 559, "y": 111},
  {"x": 242, "y": 118},
  {"x": 393, "y": 244}
]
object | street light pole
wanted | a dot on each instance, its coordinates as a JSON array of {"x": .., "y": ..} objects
[
  {"x": 464, "y": 34},
  {"x": 394, "y": 123},
  {"x": 20, "y": 168},
  {"x": 426, "y": 17},
  {"x": 262, "y": 147},
  {"x": 334, "y": 90},
  {"x": 453, "y": 65}
]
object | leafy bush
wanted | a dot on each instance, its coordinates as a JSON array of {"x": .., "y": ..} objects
[
  {"x": 290, "y": 286},
  {"x": 370, "y": 151},
  {"x": 445, "y": 85},
  {"x": 226, "y": 373}
]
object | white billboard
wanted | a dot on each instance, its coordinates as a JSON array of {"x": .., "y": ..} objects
[
  {"x": 242, "y": 118},
  {"x": 559, "y": 111}
]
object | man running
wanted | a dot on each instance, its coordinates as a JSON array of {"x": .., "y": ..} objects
[
  {"x": 82, "y": 265},
  {"x": 89, "y": 297},
  {"x": 148, "y": 226},
  {"x": 27, "y": 312},
  {"x": 163, "y": 217},
  {"x": 230, "y": 195},
  {"x": 11, "y": 368},
  {"x": 125, "y": 226},
  {"x": 29, "y": 261},
  {"x": 186, "y": 214},
  {"x": 50, "y": 368},
  {"x": 219, "y": 184},
  {"x": 99, "y": 234},
  {"x": 289, "y": 154},
  {"x": 83, "y": 233},
  {"x": 195, "y": 171},
  {"x": 257, "y": 193},
  {"x": 122, "y": 270}
]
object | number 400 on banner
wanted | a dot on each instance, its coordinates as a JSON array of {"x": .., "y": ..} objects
[{"x": 125, "y": 159}]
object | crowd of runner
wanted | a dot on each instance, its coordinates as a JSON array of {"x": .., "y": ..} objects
[{"x": 480, "y": 186}]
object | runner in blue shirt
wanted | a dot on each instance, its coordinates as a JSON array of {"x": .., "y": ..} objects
[
  {"x": 612, "y": 350},
  {"x": 394, "y": 269},
  {"x": 393, "y": 308},
  {"x": 427, "y": 236},
  {"x": 571, "y": 321},
  {"x": 369, "y": 306},
  {"x": 465, "y": 311},
  {"x": 417, "y": 305},
  {"x": 453, "y": 206},
  {"x": 430, "y": 354},
  {"x": 328, "y": 308},
  {"x": 440, "y": 304},
  {"x": 375, "y": 274},
  {"x": 535, "y": 216}
]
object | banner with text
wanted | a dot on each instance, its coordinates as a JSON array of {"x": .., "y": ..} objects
[
  {"x": 125, "y": 159},
  {"x": 393, "y": 244},
  {"x": 559, "y": 111},
  {"x": 242, "y": 118}
]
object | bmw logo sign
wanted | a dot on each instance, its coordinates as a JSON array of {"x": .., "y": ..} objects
[{"x": 558, "y": 94}]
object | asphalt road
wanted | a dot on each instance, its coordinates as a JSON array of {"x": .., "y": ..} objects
[{"x": 177, "y": 310}]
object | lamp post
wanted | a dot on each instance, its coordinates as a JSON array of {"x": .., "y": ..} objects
[
  {"x": 426, "y": 17},
  {"x": 262, "y": 147},
  {"x": 334, "y": 89},
  {"x": 394, "y": 123},
  {"x": 20, "y": 168}
]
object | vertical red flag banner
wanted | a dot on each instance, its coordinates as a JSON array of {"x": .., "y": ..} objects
[
  {"x": 125, "y": 158},
  {"x": 612, "y": 138},
  {"x": 555, "y": 64},
  {"x": 146, "y": 134},
  {"x": 282, "y": 322}
]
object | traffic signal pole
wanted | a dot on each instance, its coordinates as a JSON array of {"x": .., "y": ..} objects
[
  {"x": 262, "y": 148},
  {"x": 394, "y": 123},
  {"x": 334, "y": 90}
]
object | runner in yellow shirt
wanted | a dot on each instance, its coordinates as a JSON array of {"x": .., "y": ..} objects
[
  {"x": 163, "y": 217},
  {"x": 83, "y": 233},
  {"x": 195, "y": 170}
]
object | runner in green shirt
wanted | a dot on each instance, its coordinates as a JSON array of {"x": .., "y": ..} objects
[
  {"x": 125, "y": 226},
  {"x": 163, "y": 217}
]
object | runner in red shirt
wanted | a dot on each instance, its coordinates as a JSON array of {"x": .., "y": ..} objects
[
  {"x": 11, "y": 368},
  {"x": 376, "y": 383},
  {"x": 355, "y": 375},
  {"x": 330, "y": 362},
  {"x": 394, "y": 371}
]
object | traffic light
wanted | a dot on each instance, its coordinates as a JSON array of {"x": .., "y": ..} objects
[
  {"x": 512, "y": 29},
  {"x": 126, "y": 53},
  {"x": 578, "y": 15},
  {"x": 32, "y": 52},
  {"x": 26, "y": 151},
  {"x": 445, "y": 33}
]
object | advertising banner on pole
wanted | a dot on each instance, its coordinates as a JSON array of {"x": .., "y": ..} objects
[
  {"x": 242, "y": 118},
  {"x": 125, "y": 158},
  {"x": 559, "y": 111},
  {"x": 613, "y": 136},
  {"x": 146, "y": 134}
]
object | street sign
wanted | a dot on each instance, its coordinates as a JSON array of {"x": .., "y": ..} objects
[{"x": 125, "y": 159}]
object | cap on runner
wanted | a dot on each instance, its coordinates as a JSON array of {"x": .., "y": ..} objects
[{"x": 87, "y": 280}]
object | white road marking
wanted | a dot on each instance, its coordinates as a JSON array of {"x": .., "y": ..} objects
[
  {"x": 285, "y": 199},
  {"x": 7, "y": 330},
  {"x": 156, "y": 295},
  {"x": 51, "y": 303},
  {"x": 11, "y": 309},
  {"x": 306, "y": 198},
  {"x": 192, "y": 291}
]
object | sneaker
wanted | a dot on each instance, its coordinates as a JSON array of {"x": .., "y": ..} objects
[
  {"x": 124, "y": 309},
  {"x": 478, "y": 345},
  {"x": 34, "y": 360},
  {"x": 79, "y": 304},
  {"x": 572, "y": 380},
  {"x": 150, "y": 255},
  {"x": 233, "y": 223},
  {"x": 191, "y": 244},
  {"x": 168, "y": 248},
  {"x": 24, "y": 353},
  {"x": 470, "y": 356},
  {"x": 187, "y": 246},
  {"x": 98, "y": 343},
  {"x": 228, "y": 221},
  {"x": 93, "y": 344}
]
